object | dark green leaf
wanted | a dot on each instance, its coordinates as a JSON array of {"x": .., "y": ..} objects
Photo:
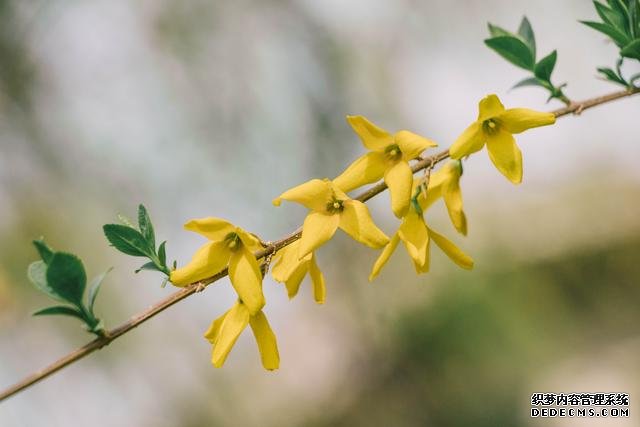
[
  {"x": 146, "y": 228},
  {"x": 94, "y": 288},
  {"x": 619, "y": 38},
  {"x": 148, "y": 266},
  {"x": 611, "y": 16},
  {"x": 611, "y": 75},
  {"x": 162, "y": 253},
  {"x": 526, "y": 32},
  {"x": 44, "y": 250},
  {"x": 66, "y": 276},
  {"x": 127, "y": 240},
  {"x": 37, "y": 274},
  {"x": 64, "y": 310},
  {"x": 529, "y": 81},
  {"x": 496, "y": 31},
  {"x": 513, "y": 50},
  {"x": 632, "y": 50},
  {"x": 545, "y": 66}
]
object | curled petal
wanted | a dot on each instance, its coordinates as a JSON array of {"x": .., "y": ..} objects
[
  {"x": 470, "y": 141},
  {"x": 266, "y": 340},
  {"x": 246, "y": 279},
  {"x": 384, "y": 257},
  {"x": 287, "y": 262},
  {"x": 365, "y": 170},
  {"x": 412, "y": 144},
  {"x": 317, "y": 280},
  {"x": 399, "y": 179},
  {"x": 506, "y": 155},
  {"x": 295, "y": 279},
  {"x": 452, "y": 195},
  {"x": 213, "y": 333},
  {"x": 232, "y": 326},
  {"x": 251, "y": 241},
  {"x": 313, "y": 194},
  {"x": 317, "y": 229},
  {"x": 414, "y": 235},
  {"x": 516, "y": 120},
  {"x": 210, "y": 259},
  {"x": 356, "y": 221},
  {"x": 212, "y": 228},
  {"x": 373, "y": 137},
  {"x": 452, "y": 251},
  {"x": 489, "y": 107}
]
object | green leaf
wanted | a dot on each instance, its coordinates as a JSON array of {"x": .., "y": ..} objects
[
  {"x": 632, "y": 50},
  {"x": 545, "y": 66},
  {"x": 619, "y": 38},
  {"x": 513, "y": 50},
  {"x": 37, "y": 274},
  {"x": 125, "y": 221},
  {"x": 526, "y": 32},
  {"x": 496, "y": 31},
  {"x": 148, "y": 266},
  {"x": 67, "y": 277},
  {"x": 529, "y": 81},
  {"x": 127, "y": 240},
  {"x": 95, "y": 288},
  {"x": 611, "y": 16},
  {"x": 611, "y": 75},
  {"x": 162, "y": 254},
  {"x": 64, "y": 310},
  {"x": 44, "y": 250},
  {"x": 146, "y": 228}
]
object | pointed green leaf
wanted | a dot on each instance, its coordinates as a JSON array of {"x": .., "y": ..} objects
[
  {"x": 611, "y": 75},
  {"x": 146, "y": 228},
  {"x": 529, "y": 81},
  {"x": 162, "y": 253},
  {"x": 611, "y": 16},
  {"x": 632, "y": 50},
  {"x": 545, "y": 66},
  {"x": 513, "y": 50},
  {"x": 64, "y": 310},
  {"x": 44, "y": 250},
  {"x": 127, "y": 240},
  {"x": 526, "y": 32},
  {"x": 67, "y": 277},
  {"x": 95, "y": 288},
  {"x": 37, "y": 274},
  {"x": 148, "y": 266},
  {"x": 496, "y": 31},
  {"x": 618, "y": 38}
]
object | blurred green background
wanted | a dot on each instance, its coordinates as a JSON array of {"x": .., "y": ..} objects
[{"x": 200, "y": 108}]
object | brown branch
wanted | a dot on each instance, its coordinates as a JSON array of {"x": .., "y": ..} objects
[{"x": 98, "y": 343}]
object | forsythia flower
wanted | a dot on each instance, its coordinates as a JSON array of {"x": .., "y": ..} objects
[
  {"x": 495, "y": 128},
  {"x": 232, "y": 246},
  {"x": 416, "y": 237},
  {"x": 225, "y": 330},
  {"x": 331, "y": 208},
  {"x": 290, "y": 270},
  {"x": 389, "y": 158},
  {"x": 445, "y": 183}
]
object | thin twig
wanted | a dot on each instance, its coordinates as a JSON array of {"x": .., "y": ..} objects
[{"x": 98, "y": 343}]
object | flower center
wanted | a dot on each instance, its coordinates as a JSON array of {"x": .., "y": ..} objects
[
  {"x": 490, "y": 126},
  {"x": 335, "y": 206},
  {"x": 393, "y": 152},
  {"x": 232, "y": 241}
]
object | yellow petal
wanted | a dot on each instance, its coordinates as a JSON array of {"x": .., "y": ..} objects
[
  {"x": 365, "y": 170},
  {"x": 452, "y": 251},
  {"x": 399, "y": 179},
  {"x": 314, "y": 194},
  {"x": 470, "y": 141},
  {"x": 317, "y": 279},
  {"x": 213, "y": 333},
  {"x": 373, "y": 137},
  {"x": 232, "y": 326},
  {"x": 266, "y": 340},
  {"x": 490, "y": 107},
  {"x": 317, "y": 229},
  {"x": 452, "y": 195},
  {"x": 211, "y": 228},
  {"x": 210, "y": 259},
  {"x": 384, "y": 256},
  {"x": 414, "y": 235},
  {"x": 506, "y": 155},
  {"x": 251, "y": 241},
  {"x": 355, "y": 220},
  {"x": 287, "y": 262},
  {"x": 516, "y": 120},
  {"x": 412, "y": 144},
  {"x": 295, "y": 279},
  {"x": 246, "y": 279}
]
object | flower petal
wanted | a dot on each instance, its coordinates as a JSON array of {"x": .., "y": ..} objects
[
  {"x": 295, "y": 279},
  {"x": 313, "y": 194},
  {"x": 210, "y": 259},
  {"x": 470, "y": 141},
  {"x": 412, "y": 144},
  {"x": 246, "y": 279},
  {"x": 213, "y": 333},
  {"x": 212, "y": 228},
  {"x": 384, "y": 257},
  {"x": 317, "y": 229},
  {"x": 516, "y": 120},
  {"x": 317, "y": 279},
  {"x": 232, "y": 326},
  {"x": 452, "y": 195},
  {"x": 399, "y": 179},
  {"x": 365, "y": 170},
  {"x": 287, "y": 262},
  {"x": 424, "y": 267},
  {"x": 266, "y": 340},
  {"x": 414, "y": 235},
  {"x": 506, "y": 155},
  {"x": 251, "y": 241},
  {"x": 489, "y": 107},
  {"x": 355, "y": 220},
  {"x": 373, "y": 137},
  {"x": 452, "y": 251}
]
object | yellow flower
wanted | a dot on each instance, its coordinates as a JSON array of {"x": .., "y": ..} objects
[
  {"x": 445, "y": 183},
  {"x": 416, "y": 237},
  {"x": 389, "y": 158},
  {"x": 225, "y": 330},
  {"x": 495, "y": 128},
  {"x": 290, "y": 270},
  {"x": 330, "y": 209},
  {"x": 232, "y": 246}
]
